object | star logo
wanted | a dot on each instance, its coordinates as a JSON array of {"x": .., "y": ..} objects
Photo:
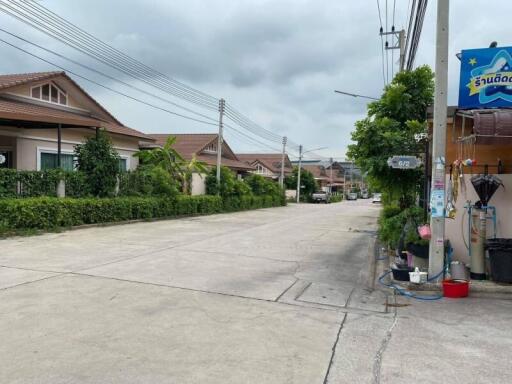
[
  {"x": 494, "y": 81},
  {"x": 472, "y": 61}
]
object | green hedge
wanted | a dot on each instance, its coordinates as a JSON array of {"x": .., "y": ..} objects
[
  {"x": 52, "y": 212},
  {"x": 14, "y": 183},
  {"x": 336, "y": 198}
]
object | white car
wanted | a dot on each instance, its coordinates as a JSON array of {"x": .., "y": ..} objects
[
  {"x": 352, "y": 196},
  {"x": 377, "y": 198}
]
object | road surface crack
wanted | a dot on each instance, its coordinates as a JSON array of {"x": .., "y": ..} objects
[{"x": 377, "y": 362}]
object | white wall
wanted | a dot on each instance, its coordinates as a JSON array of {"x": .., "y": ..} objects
[
  {"x": 198, "y": 184},
  {"x": 457, "y": 229}
]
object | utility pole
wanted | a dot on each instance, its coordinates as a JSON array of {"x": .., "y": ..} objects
[
  {"x": 400, "y": 44},
  {"x": 298, "y": 173},
  {"x": 437, "y": 200},
  {"x": 281, "y": 178},
  {"x": 330, "y": 187},
  {"x": 220, "y": 140}
]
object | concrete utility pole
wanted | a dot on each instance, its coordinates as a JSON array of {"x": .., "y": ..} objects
[
  {"x": 330, "y": 187},
  {"x": 298, "y": 174},
  {"x": 281, "y": 178},
  {"x": 437, "y": 199},
  {"x": 220, "y": 140},
  {"x": 400, "y": 44}
]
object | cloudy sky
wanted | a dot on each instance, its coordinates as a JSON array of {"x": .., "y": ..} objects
[{"x": 277, "y": 62}]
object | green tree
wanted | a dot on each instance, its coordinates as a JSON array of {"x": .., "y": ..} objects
[
  {"x": 99, "y": 162},
  {"x": 229, "y": 185},
  {"x": 262, "y": 186},
  {"x": 168, "y": 159},
  {"x": 307, "y": 182},
  {"x": 389, "y": 129}
]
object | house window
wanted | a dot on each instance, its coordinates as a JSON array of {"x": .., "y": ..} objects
[
  {"x": 49, "y": 160},
  {"x": 212, "y": 148},
  {"x": 49, "y": 92},
  {"x": 123, "y": 165},
  {"x": 261, "y": 170}
]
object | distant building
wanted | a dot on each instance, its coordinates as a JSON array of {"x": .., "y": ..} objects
[{"x": 267, "y": 164}]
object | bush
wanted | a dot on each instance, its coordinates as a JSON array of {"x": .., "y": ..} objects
[
  {"x": 51, "y": 212},
  {"x": 336, "y": 198},
  {"x": 392, "y": 222},
  {"x": 147, "y": 181},
  {"x": 99, "y": 161}
]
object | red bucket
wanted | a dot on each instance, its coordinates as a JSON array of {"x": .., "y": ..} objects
[{"x": 455, "y": 288}]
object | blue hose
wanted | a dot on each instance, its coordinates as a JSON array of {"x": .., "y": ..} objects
[{"x": 404, "y": 292}]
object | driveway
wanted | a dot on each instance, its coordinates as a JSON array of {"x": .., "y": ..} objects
[{"x": 249, "y": 297}]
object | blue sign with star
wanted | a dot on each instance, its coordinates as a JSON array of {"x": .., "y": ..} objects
[{"x": 486, "y": 78}]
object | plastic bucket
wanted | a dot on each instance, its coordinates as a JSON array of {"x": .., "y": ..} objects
[{"x": 455, "y": 288}]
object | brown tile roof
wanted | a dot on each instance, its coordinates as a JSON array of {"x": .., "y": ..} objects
[
  {"x": 272, "y": 161},
  {"x": 187, "y": 144},
  {"x": 190, "y": 144},
  {"x": 13, "y": 80},
  {"x": 320, "y": 172},
  {"x": 17, "y": 110}
]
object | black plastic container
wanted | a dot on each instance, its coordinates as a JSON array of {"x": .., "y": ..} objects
[
  {"x": 418, "y": 250},
  {"x": 500, "y": 255},
  {"x": 401, "y": 272}
]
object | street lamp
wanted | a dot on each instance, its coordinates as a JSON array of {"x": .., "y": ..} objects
[{"x": 300, "y": 165}]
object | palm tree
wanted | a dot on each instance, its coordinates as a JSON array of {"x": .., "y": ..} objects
[{"x": 171, "y": 161}]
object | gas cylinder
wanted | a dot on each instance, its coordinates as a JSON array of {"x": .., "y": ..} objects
[{"x": 477, "y": 242}]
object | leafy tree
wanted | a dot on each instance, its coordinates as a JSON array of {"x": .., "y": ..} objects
[
  {"x": 99, "y": 162},
  {"x": 262, "y": 186},
  {"x": 229, "y": 184},
  {"x": 307, "y": 182},
  {"x": 389, "y": 129},
  {"x": 168, "y": 159}
]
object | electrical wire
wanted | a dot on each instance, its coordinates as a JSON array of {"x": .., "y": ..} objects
[
  {"x": 387, "y": 55},
  {"x": 105, "y": 75},
  {"x": 53, "y": 16},
  {"x": 104, "y": 86},
  {"x": 381, "y": 44},
  {"x": 393, "y": 42},
  {"x": 250, "y": 138},
  {"x": 63, "y": 34},
  {"x": 44, "y": 20}
]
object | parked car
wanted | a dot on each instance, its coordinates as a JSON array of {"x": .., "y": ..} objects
[
  {"x": 365, "y": 195},
  {"x": 352, "y": 196},
  {"x": 321, "y": 197},
  {"x": 376, "y": 198}
]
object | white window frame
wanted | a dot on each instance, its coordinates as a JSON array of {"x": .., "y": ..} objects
[
  {"x": 211, "y": 148},
  {"x": 127, "y": 158},
  {"x": 49, "y": 101},
  {"x": 50, "y": 151}
]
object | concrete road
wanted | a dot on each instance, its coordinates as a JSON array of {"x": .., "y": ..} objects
[
  {"x": 270, "y": 296},
  {"x": 250, "y": 297}
]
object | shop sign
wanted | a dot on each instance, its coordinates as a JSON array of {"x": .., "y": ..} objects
[{"x": 486, "y": 78}]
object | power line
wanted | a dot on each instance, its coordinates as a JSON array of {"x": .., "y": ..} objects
[
  {"x": 65, "y": 35},
  {"x": 56, "y": 27},
  {"x": 152, "y": 71},
  {"x": 105, "y": 75},
  {"x": 381, "y": 44},
  {"x": 250, "y": 138},
  {"x": 106, "y": 87},
  {"x": 356, "y": 95}
]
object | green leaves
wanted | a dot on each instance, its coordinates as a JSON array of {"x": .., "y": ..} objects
[
  {"x": 46, "y": 213},
  {"x": 389, "y": 130},
  {"x": 99, "y": 162}
]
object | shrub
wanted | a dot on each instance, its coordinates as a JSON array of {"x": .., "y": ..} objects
[
  {"x": 336, "y": 198},
  {"x": 147, "y": 181},
  {"x": 99, "y": 162},
  {"x": 51, "y": 212}
]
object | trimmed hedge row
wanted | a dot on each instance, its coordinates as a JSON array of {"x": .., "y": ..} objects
[{"x": 51, "y": 212}]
